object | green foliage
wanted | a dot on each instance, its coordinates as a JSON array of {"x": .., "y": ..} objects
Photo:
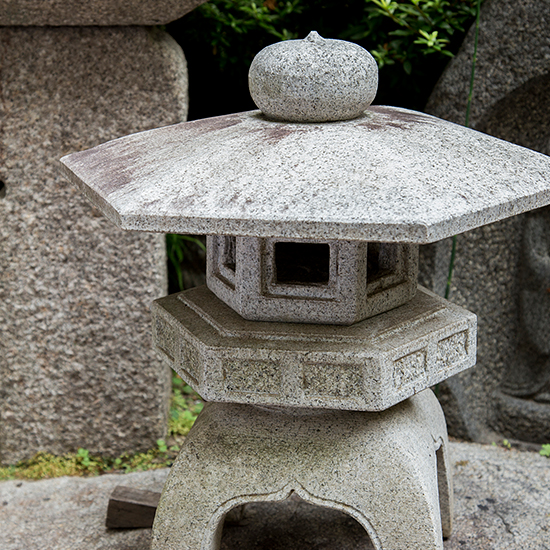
[
  {"x": 81, "y": 463},
  {"x": 411, "y": 40},
  {"x": 178, "y": 251},
  {"x": 83, "y": 457},
  {"x": 229, "y": 18},
  {"x": 545, "y": 451},
  {"x": 186, "y": 406},
  {"x": 398, "y": 32},
  {"x": 43, "y": 465},
  {"x": 404, "y": 32}
]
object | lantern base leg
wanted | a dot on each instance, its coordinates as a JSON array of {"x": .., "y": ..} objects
[{"x": 388, "y": 470}]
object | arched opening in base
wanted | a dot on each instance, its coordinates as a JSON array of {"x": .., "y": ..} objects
[{"x": 292, "y": 524}]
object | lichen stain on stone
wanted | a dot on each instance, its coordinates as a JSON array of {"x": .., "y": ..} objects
[
  {"x": 205, "y": 125},
  {"x": 278, "y": 131},
  {"x": 105, "y": 162},
  {"x": 392, "y": 119}
]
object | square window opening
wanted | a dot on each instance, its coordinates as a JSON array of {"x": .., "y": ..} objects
[
  {"x": 229, "y": 253},
  {"x": 381, "y": 260},
  {"x": 302, "y": 263}
]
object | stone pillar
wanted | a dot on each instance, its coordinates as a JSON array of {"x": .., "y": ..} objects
[
  {"x": 77, "y": 368},
  {"x": 499, "y": 272}
]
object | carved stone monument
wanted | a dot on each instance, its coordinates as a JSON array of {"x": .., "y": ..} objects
[
  {"x": 77, "y": 368},
  {"x": 507, "y": 284},
  {"x": 311, "y": 340}
]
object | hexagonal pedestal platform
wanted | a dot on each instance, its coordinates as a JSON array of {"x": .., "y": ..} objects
[
  {"x": 368, "y": 366},
  {"x": 389, "y": 471}
]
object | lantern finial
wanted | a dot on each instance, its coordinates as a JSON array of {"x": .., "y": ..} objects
[{"x": 313, "y": 80}]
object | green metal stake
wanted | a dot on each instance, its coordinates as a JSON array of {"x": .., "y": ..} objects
[{"x": 467, "y": 124}]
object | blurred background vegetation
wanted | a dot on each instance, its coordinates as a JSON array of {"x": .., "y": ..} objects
[{"x": 412, "y": 41}]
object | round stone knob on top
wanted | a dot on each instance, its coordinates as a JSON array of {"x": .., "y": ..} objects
[{"x": 313, "y": 80}]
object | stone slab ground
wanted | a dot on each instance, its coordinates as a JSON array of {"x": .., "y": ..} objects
[{"x": 502, "y": 502}]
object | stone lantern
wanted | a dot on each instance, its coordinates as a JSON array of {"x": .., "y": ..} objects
[{"x": 312, "y": 342}]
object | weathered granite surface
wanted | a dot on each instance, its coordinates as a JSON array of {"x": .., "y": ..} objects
[
  {"x": 92, "y": 12},
  {"x": 368, "y": 366},
  {"x": 77, "y": 367},
  {"x": 313, "y": 80},
  {"x": 392, "y": 175},
  {"x": 501, "y": 270},
  {"x": 334, "y": 282},
  {"x": 238, "y": 454},
  {"x": 501, "y": 503}
]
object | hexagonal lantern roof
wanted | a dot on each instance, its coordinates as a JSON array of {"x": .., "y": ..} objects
[
  {"x": 391, "y": 175},
  {"x": 388, "y": 175}
]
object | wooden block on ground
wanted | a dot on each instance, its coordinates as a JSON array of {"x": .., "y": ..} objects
[{"x": 131, "y": 508}]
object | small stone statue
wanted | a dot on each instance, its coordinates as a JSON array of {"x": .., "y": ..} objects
[{"x": 529, "y": 376}]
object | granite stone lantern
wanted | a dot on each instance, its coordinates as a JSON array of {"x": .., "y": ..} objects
[{"x": 311, "y": 341}]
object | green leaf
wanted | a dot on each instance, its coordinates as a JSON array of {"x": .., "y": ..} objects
[
  {"x": 161, "y": 444},
  {"x": 402, "y": 32}
]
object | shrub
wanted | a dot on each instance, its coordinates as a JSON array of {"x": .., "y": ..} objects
[{"x": 411, "y": 40}]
